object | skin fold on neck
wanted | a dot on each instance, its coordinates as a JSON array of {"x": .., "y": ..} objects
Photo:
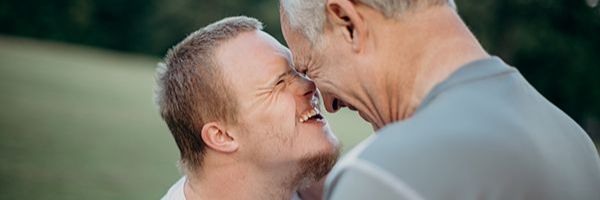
[{"x": 416, "y": 52}]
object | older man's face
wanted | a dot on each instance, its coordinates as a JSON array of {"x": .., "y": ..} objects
[
  {"x": 278, "y": 109},
  {"x": 329, "y": 67}
]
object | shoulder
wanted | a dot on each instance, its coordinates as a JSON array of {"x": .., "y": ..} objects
[
  {"x": 362, "y": 179},
  {"x": 420, "y": 146},
  {"x": 407, "y": 161},
  {"x": 356, "y": 178}
]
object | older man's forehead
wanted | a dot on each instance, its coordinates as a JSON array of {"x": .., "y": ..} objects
[{"x": 301, "y": 57}]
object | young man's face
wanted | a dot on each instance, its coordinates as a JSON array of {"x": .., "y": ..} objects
[{"x": 274, "y": 103}]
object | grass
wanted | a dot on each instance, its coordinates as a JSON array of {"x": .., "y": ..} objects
[{"x": 80, "y": 123}]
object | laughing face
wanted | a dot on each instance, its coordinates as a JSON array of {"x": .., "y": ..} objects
[
  {"x": 339, "y": 78},
  {"x": 278, "y": 111}
]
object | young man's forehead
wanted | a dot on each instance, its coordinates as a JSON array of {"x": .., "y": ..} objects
[
  {"x": 276, "y": 44},
  {"x": 256, "y": 44},
  {"x": 254, "y": 59}
]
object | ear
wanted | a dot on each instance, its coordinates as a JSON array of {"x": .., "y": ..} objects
[
  {"x": 216, "y": 137},
  {"x": 344, "y": 17}
]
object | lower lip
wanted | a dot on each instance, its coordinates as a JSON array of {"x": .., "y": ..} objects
[{"x": 315, "y": 121}]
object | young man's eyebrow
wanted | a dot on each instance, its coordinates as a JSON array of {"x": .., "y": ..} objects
[{"x": 280, "y": 76}]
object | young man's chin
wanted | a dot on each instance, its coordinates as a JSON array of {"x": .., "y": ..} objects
[{"x": 314, "y": 167}]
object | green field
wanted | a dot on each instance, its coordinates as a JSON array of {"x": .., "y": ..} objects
[{"x": 80, "y": 123}]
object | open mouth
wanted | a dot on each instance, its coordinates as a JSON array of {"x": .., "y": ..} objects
[
  {"x": 311, "y": 115},
  {"x": 337, "y": 104}
]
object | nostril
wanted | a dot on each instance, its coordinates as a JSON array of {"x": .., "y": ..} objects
[
  {"x": 309, "y": 93},
  {"x": 335, "y": 105}
]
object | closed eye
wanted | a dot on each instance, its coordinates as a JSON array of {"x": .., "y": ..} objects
[{"x": 280, "y": 82}]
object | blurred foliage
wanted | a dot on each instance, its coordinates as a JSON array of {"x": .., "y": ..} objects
[
  {"x": 144, "y": 26},
  {"x": 554, "y": 43}
]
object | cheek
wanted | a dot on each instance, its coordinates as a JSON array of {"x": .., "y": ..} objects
[
  {"x": 280, "y": 110},
  {"x": 327, "y": 87},
  {"x": 274, "y": 112},
  {"x": 327, "y": 76},
  {"x": 337, "y": 71},
  {"x": 337, "y": 81},
  {"x": 279, "y": 119},
  {"x": 287, "y": 116}
]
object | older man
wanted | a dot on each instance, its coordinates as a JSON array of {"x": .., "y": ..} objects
[
  {"x": 246, "y": 124},
  {"x": 452, "y": 122}
]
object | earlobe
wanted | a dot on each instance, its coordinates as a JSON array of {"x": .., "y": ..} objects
[{"x": 216, "y": 137}]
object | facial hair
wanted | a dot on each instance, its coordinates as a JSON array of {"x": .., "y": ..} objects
[{"x": 313, "y": 168}]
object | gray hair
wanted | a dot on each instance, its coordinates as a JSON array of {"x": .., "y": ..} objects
[
  {"x": 191, "y": 89},
  {"x": 308, "y": 16}
]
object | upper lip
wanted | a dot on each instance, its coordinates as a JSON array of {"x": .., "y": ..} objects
[
  {"x": 312, "y": 111},
  {"x": 308, "y": 114}
]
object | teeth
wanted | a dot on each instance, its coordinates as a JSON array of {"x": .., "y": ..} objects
[{"x": 308, "y": 114}]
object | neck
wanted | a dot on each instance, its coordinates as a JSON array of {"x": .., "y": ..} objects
[
  {"x": 238, "y": 181},
  {"x": 421, "y": 50}
]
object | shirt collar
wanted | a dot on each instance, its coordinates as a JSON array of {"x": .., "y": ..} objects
[{"x": 474, "y": 71}]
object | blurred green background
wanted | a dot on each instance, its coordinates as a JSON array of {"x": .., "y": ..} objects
[{"x": 77, "y": 119}]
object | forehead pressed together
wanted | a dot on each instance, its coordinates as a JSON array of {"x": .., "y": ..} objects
[
  {"x": 230, "y": 90},
  {"x": 344, "y": 46}
]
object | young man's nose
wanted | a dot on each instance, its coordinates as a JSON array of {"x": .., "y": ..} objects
[{"x": 304, "y": 87}]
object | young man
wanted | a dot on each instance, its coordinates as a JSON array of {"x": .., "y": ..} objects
[
  {"x": 248, "y": 126},
  {"x": 452, "y": 122}
]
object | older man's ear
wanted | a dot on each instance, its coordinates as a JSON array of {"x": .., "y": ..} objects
[
  {"x": 344, "y": 17},
  {"x": 217, "y": 138}
]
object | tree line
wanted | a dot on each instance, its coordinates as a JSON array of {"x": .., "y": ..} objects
[{"x": 554, "y": 43}]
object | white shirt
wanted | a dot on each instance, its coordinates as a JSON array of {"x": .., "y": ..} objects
[{"x": 176, "y": 191}]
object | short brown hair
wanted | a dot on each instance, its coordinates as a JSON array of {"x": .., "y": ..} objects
[{"x": 192, "y": 90}]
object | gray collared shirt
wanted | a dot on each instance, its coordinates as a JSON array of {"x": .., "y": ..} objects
[{"x": 484, "y": 133}]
